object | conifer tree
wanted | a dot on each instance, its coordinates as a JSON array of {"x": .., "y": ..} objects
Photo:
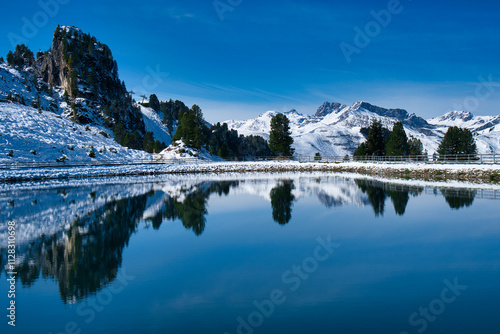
[
  {"x": 415, "y": 147},
  {"x": 360, "y": 150},
  {"x": 375, "y": 143},
  {"x": 154, "y": 103},
  {"x": 397, "y": 143},
  {"x": 457, "y": 141},
  {"x": 280, "y": 137},
  {"x": 192, "y": 127}
]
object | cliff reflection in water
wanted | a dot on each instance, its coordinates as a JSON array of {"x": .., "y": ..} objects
[{"x": 76, "y": 236}]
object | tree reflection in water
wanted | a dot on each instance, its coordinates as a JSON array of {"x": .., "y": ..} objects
[
  {"x": 282, "y": 201},
  {"x": 378, "y": 191},
  {"x": 193, "y": 208},
  {"x": 376, "y": 195},
  {"x": 459, "y": 198},
  {"x": 86, "y": 256}
]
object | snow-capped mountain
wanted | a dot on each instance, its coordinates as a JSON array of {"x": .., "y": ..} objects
[
  {"x": 466, "y": 119},
  {"x": 486, "y": 129},
  {"x": 334, "y": 130},
  {"x": 452, "y": 118}
]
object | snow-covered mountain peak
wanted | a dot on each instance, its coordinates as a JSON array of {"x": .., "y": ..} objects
[
  {"x": 292, "y": 112},
  {"x": 329, "y": 108},
  {"x": 454, "y": 116},
  {"x": 268, "y": 114},
  {"x": 399, "y": 114}
]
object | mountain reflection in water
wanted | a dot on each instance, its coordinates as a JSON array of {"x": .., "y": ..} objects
[{"x": 77, "y": 235}]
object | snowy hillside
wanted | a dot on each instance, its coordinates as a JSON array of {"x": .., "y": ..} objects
[
  {"x": 46, "y": 132},
  {"x": 21, "y": 87},
  {"x": 29, "y": 135},
  {"x": 153, "y": 123},
  {"x": 179, "y": 151},
  {"x": 66, "y": 104},
  {"x": 334, "y": 130}
]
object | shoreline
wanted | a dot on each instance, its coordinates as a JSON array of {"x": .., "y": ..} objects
[{"x": 475, "y": 173}]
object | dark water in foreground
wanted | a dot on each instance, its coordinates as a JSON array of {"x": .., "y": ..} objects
[{"x": 294, "y": 253}]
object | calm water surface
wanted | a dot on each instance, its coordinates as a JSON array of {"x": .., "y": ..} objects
[{"x": 289, "y": 253}]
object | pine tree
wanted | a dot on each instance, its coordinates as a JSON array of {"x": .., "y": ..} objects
[
  {"x": 10, "y": 58},
  {"x": 22, "y": 56},
  {"x": 57, "y": 32},
  {"x": 457, "y": 141},
  {"x": 397, "y": 144},
  {"x": 154, "y": 103},
  {"x": 223, "y": 151},
  {"x": 400, "y": 200},
  {"x": 91, "y": 81},
  {"x": 255, "y": 146},
  {"x": 360, "y": 150},
  {"x": 375, "y": 143},
  {"x": 415, "y": 147},
  {"x": 148, "y": 142},
  {"x": 280, "y": 139},
  {"x": 192, "y": 128},
  {"x": 92, "y": 152}
]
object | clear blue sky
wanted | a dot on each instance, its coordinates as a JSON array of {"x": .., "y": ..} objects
[{"x": 250, "y": 56}]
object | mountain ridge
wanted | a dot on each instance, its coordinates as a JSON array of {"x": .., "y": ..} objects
[{"x": 333, "y": 130}]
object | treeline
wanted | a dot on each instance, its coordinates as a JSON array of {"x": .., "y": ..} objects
[
  {"x": 195, "y": 132},
  {"x": 136, "y": 141},
  {"x": 22, "y": 56},
  {"x": 228, "y": 144},
  {"x": 382, "y": 142}
]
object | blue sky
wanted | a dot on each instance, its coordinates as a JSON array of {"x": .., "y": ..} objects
[{"x": 249, "y": 56}]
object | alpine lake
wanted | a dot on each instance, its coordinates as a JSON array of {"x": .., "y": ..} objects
[{"x": 250, "y": 253}]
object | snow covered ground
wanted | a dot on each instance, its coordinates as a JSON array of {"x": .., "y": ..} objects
[
  {"x": 30, "y": 135},
  {"x": 47, "y": 133},
  {"x": 27, "y": 135},
  {"x": 178, "y": 151},
  {"x": 37, "y": 174}
]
